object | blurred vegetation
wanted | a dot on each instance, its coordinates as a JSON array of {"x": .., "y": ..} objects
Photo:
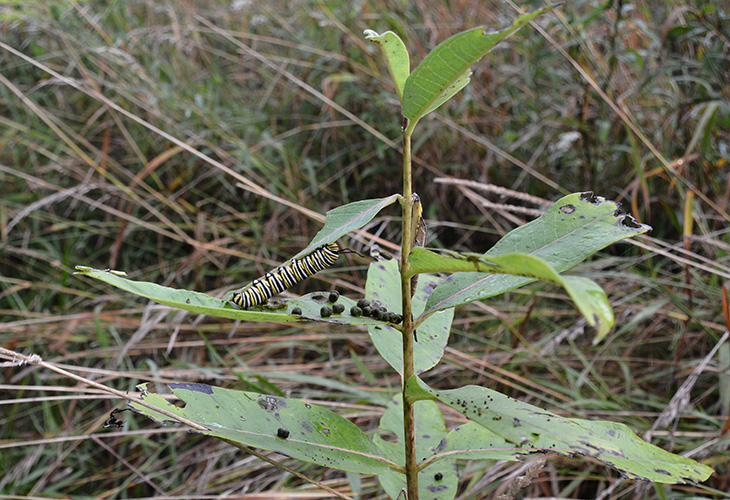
[{"x": 285, "y": 96}]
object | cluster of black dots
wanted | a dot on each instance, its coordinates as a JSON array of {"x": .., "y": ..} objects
[
  {"x": 364, "y": 307},
  {"x": 327, "y": 310},
  {"x": 375, "y": 310}
]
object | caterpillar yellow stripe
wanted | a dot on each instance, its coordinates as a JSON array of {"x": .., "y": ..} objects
[{"x": 286, "y": 276}]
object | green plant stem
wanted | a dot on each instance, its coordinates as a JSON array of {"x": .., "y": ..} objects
[{"x": 409, "y": 421}]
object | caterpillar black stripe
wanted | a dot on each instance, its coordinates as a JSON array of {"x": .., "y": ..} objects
[{"x": 281, "y": 278}]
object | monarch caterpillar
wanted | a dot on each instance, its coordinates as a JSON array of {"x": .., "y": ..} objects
[{"x": 283, "y": 277}]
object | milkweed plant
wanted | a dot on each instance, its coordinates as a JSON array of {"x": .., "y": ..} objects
[{"x": 408, "y": 311}]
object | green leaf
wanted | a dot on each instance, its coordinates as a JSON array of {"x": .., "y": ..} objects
[
  {"x": 201, "y": 303},
  {"x": 438, "y": 480},
  {"x": 416, "y": 390},
  {"x": 383, "y": 284},
  {"x": 294, "y": 428},
  {"x": 395, "y": 55},
  {"x": 459, "y": 83},
  {"x": 347, "y": 218},
  {"x": 575, "y": 227},
  {"x": 346, "y": 390},
  {"x": 338, "y": 222},
  {"x": 531, "y": 427},
  {"x": 472, "y": 441},
  {"x": 590, "y": 298},
  {"x": 445, "y": 70}
]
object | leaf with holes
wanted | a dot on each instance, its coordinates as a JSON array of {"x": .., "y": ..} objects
[
  {"x": 279, "y": 311},
  {"x": 288, "y": 426},
  {"x": 590, "y": 298},
  {"x": 530, "y": 427},
  {"x": 575, "y": 227}
]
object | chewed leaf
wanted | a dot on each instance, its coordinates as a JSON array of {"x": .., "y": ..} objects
[
  {"x": 279, "y": 311},
  {"x": 530, "y": 427},
  {"x": 590, "y": 298},
  {"x": 291, "y": 427},
  {"x": 575, "y": 227}
]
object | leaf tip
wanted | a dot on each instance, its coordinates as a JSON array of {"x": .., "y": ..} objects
[
  {"x": 603, "y": 328},
  {"x": 628, "y": 221}
]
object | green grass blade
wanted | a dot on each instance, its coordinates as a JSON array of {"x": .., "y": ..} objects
[
  {"x": 723, "y": 368},
  {"x": 288, "y": 426}
]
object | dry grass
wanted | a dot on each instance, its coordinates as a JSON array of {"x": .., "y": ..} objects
[{"x": 132, "y": 157}]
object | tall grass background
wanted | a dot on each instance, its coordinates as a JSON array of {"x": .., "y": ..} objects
[{"x": 196, "y": 144}]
